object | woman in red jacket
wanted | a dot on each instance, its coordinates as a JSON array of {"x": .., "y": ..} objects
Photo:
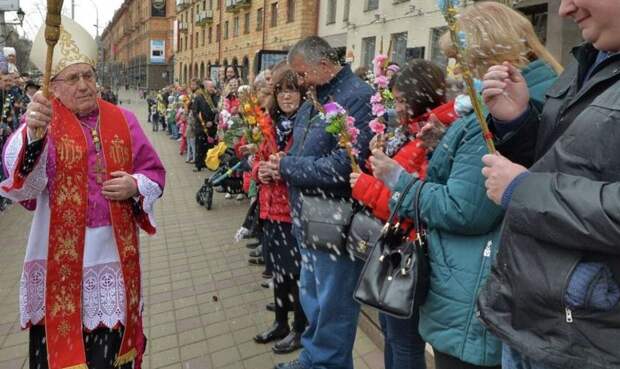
[
  {"x": 419, "y": 93},
  {"x": 280, "y": 244}
]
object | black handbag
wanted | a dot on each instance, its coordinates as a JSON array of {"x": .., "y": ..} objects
[
  {"x": 395, "y": 278},
  {"x": 363, "y": 234},
  {"x": 325, "y": 222}
]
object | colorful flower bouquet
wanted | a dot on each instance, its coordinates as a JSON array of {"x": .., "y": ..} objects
[
  {"x": 258, "y": 124},
  {"x": 383, "y": 99},
  {"x": 341, "y": 125}
]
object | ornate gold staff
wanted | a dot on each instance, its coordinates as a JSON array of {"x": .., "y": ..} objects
[
  {"x": 448, "y": 8},
  {"x": 52, "y": 34}
]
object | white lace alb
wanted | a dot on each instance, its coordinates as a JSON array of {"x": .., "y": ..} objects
[{"x": 103, "y": 298}]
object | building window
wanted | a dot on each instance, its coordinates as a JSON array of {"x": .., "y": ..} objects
[
  {"x": 371, "y": 5},
  {"x": 437, "y": 56},
  {"x": 347, "y": 9},
  {"x": 331, "y": 11},
  {"x": 210, "y": 34},
  {"x": 538, "y": 15},
  {"x": 274, "y": 14},
  {"x": 399, "y": 48},
  {"x": 236, "y": 27},
  {"x": 218, "y": 33},
  {"x": 368, "y": 50},
  {"x": 226, "y": 30},
  {"x": 246, "y": 23},
  {"x": 204, "y": 39},
  {"x": 191, "y": 41},
  {"x": 290, "y": 11},
  {"x": 197, "y": 39},
  {"x": 259, "y": 19}
]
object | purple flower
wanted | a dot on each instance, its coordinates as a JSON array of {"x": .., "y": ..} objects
[{"x": 333, "y": 108}]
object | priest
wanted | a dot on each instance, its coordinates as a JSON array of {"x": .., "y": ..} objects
[{"x": 87, "y": 170}]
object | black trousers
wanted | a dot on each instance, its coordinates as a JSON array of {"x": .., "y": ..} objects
[
  {"x": 445, "y": 361},
  {"x": 286, "y": 296},
  {"x": 101, "y": 346},
  {"x": 202, "y": 146}
]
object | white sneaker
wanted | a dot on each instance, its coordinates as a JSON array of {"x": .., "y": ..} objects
[
  {"x": 228, "y": 196},
  {"x": 240, "y": 197}
]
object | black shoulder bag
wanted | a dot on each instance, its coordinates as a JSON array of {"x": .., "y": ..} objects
[
  {"x": 324, "y": 220},
  {"x": 395, "y": 278}
]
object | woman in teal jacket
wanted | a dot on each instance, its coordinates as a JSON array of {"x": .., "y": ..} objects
[{"x": 462, "y": 223}]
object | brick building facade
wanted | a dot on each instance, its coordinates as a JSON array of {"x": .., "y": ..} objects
[
  {"x": 252, "y": 34},
  {"x": 138, "y": 45}
]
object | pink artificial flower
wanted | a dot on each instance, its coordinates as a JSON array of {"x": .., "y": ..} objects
[
  {"x": 377, "y": 127},
  {"x": 378, "y": 110},
  {"x": 353, "y": 133},
  {"x": 376, "y": 98},
  {"x": 350, "y": 121},
  {"x": 355, "y": 152},
  {"x": 382, "y": 81},
  {"x": 378, "y": 63}
]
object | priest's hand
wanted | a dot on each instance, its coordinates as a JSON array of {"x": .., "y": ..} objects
[
  {"x": 38, "y": 115},
  {"x": 121, "y": 187}
]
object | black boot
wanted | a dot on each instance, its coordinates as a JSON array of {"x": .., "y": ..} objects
[
  {"x": 288, "y": 344},
  {"x": 276, "y": 332}
]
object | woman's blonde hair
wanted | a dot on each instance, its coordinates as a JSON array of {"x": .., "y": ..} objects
[{"x": 497, "y": 33}]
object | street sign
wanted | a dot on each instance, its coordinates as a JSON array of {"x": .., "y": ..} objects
[
  {"x": 9, "y": 5},
  {"x": 158, "y": 51}
]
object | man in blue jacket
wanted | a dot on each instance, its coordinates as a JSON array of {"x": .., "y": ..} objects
[{"x": 317, "y": 164}]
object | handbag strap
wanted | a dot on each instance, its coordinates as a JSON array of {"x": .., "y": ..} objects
[
  {"x": 399, "y": 203},
  {"x": 418, "y": 217}
]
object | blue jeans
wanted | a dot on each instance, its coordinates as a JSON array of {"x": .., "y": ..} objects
[
  {"x": 512, "y": 359},
  {"x": 174, "y": 130},
  {"x": 326, "y": 293},
  {"x": 404, "y": 347}
]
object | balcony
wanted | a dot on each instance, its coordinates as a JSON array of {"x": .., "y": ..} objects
[
  {"x": 183, "y": 27},
  {"x": 204, "y": 17},
  {"x": 236, "y": 5},
  {"x": 182, "y": 5}
]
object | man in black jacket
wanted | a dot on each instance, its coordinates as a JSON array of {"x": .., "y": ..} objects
[
  {"x": 205, "y": 114},
  {"x": 553, "y": 294}
]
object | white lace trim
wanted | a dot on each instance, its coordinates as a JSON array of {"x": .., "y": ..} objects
[
  {"x": 103, "y": 296},
  {"x": 151, "y": 192},
  {"x": 35, "y": 182}
]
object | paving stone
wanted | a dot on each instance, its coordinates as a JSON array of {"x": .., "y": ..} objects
[
  {"x": 220, "y": 342},
  {"x": 164, "y": 358},
  {"x": 163, "y": 343},
  {"x": 192, "y": 336},
  {"x": 194, "y": 350},
  {"x": 225, "y": 357}
]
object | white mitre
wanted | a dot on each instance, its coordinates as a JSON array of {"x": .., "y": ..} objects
[{"x": 74, "y": 46}]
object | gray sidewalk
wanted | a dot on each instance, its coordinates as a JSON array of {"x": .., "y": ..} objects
[{"x": 203, "y": 303}]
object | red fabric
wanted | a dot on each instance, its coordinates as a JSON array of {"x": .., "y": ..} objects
[
  {"x": 272, "y": 196},
  {"x": 372, "y": 193},
  {"x": 247, "y": 181}
]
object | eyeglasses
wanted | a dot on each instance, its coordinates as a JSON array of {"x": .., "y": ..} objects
[{"x": 73, "y": 79}]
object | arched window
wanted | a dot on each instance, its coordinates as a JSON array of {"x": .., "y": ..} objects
[
  {"x": 185, "y": 74},
  {"x": 202, "y": 70}
]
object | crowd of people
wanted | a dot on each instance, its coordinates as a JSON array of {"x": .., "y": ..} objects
[
  {"x": 474, "y": 207},
  {"x": 522, "y": 245}
]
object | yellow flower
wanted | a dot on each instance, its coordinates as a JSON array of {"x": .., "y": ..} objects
[
  {"x": 247, "y": 108},
  {"x": 251, "y": 120}
]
